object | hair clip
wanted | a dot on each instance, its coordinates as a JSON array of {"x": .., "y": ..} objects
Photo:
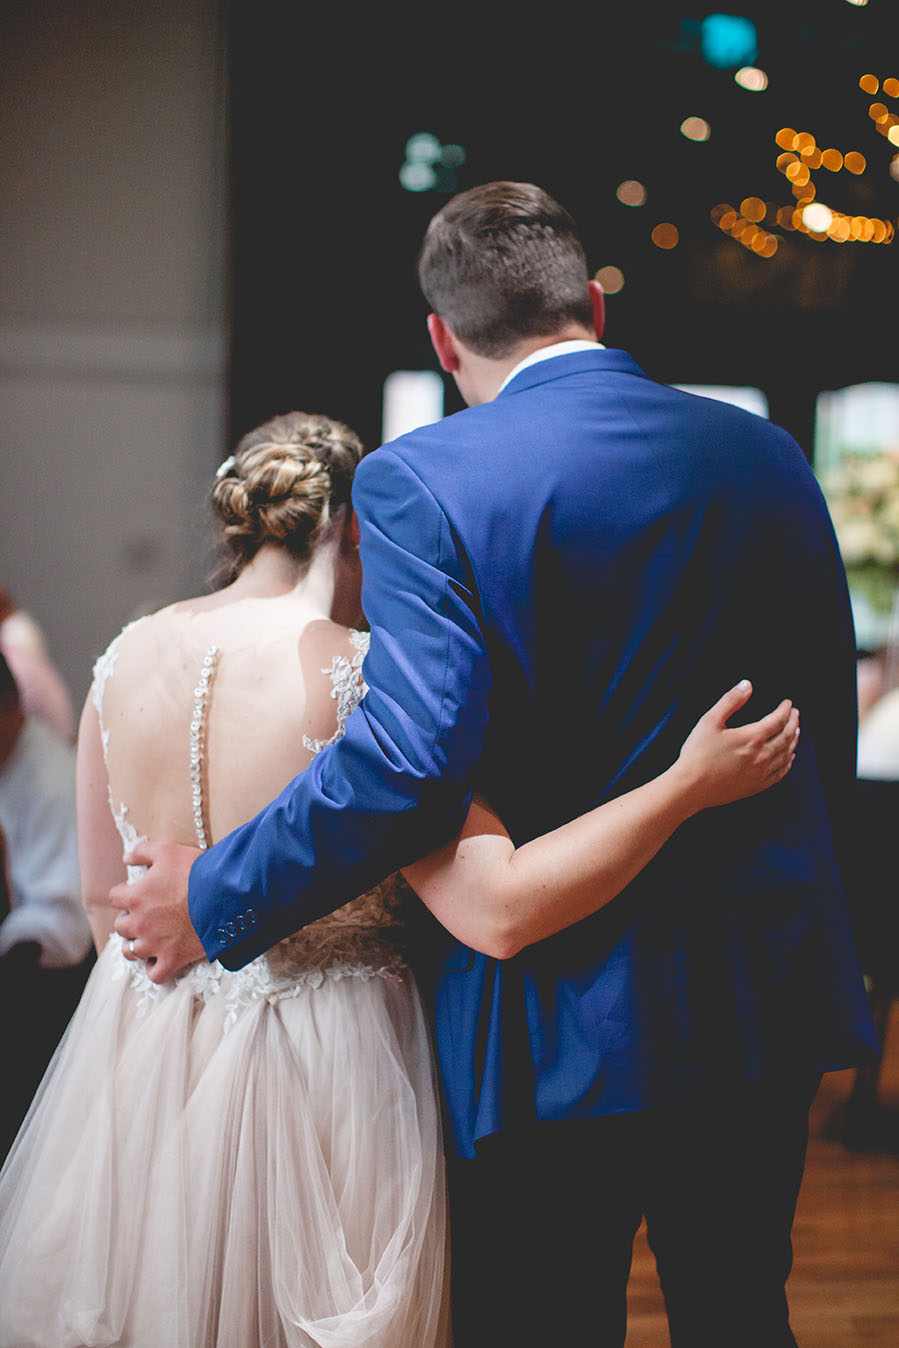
[{"x": 226, "y": 467}]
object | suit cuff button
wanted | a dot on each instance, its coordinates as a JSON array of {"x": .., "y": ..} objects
[
  {"x": 253, "y": 917},
  {"x": 222, "y": 936}
]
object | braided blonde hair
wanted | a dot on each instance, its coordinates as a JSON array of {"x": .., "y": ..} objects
[{"x": 282, "y": 483}]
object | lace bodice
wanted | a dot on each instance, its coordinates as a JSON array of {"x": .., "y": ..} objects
[{"x": 362, "y": 939}]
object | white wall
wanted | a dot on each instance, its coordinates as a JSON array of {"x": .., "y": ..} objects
[{"x": 112, "y": 309}]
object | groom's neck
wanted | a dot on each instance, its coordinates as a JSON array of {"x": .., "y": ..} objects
[{"x": 480, "y": 378}]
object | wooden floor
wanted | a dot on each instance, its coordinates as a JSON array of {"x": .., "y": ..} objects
[{"x": 844, "y": 1289}]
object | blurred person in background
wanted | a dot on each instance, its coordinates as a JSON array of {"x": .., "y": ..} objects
[
  {"x": 41, "y": 686},
  {"x": 44, "y": 934}
]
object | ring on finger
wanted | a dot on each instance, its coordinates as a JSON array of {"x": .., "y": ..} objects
[{"x": 131, "y": 948}]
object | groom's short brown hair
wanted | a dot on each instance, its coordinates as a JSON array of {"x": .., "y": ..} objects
[{"x": 502, "y": 262}]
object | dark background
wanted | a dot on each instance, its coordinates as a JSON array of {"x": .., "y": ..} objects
[{"x": 324, "y": 300}]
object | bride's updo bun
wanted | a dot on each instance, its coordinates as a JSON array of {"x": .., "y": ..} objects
[{"x": 283, "y": 482}]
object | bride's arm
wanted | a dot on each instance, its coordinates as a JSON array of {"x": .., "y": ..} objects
[
  {"x": 99, "y": 844},
  {"x": 498, "y": 898}
]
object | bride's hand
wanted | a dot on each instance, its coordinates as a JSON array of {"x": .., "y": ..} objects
[{"x": 720, "y": 764}]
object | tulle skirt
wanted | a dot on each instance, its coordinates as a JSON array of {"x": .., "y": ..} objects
[{"x": 190, "y": 1177}]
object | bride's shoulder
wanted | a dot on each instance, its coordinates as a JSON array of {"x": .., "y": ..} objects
[
  {"x": 325, "y": 641},
  {"x": 137, "y": 631},
  {"x": 138, "y": 643},
  {"x": 105, "y": 663}
]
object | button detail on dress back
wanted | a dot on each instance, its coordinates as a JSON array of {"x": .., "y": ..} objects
[{"x": 197, "y": 746}]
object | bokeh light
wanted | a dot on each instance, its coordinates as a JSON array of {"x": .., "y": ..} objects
[
  {"x": 631, "y": 193},
  {"x": 855, "y": 162},
  {"x": 869, "y": 84},
  {"x": 817, "y": 217},
  {"x": 665, "y": 235},
  {"x": 753, "y": 208},
  {"x": 611, "y": 279},
  {"x": 417, "y": 176},
  {"x": 728, "y": 40},
  {"x": 423, "y": 148},
  {"x": 695, "y": 128},
  {"x": 453, "y": 156},
  {"x": 751, "y": 78},
  {"x": 429, "y": 165}
]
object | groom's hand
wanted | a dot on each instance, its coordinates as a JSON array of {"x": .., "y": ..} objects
[{"x": 153, "y": 916}]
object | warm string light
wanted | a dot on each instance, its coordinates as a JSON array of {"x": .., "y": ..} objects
[
  {"x": 800, "y": 157},
  {"x": 745, "y": 228},
  {"x": 885, "y": 121},
  {"x": 819, "y": 222}
]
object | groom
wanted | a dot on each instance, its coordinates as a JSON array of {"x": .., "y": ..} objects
[{"x": 559, "y": 580}]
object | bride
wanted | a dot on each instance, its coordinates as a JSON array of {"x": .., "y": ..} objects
[{"x": 254, "y": 1158}]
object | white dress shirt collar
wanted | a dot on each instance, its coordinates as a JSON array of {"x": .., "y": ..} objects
[{"x": 547, "y": 352}]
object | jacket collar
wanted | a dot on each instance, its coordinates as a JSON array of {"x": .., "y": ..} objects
[{"x": 600, "y": 360}]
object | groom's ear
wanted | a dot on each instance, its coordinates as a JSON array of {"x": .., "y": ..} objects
[
  {"x": 598, "y": 302},
  {"x": 444, "y": 343}
]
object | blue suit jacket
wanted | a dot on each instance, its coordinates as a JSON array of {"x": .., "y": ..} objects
[{"x": 559, "y": 583}]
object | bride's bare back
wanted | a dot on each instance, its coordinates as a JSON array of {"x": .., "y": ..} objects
[{"x": 270, "y": 700}]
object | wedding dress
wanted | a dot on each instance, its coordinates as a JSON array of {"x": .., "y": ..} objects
[{"x": 234, "y": 1159}]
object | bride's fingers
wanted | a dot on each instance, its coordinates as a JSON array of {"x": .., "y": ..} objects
[
  {"x": 781, "y": 762},
  {"x": 789, "y": 728},
  {"x": 787, "y": 736},
  {"x": 728, "y": 705},
  {"x": 770, "y": 746},
  {"x": 772, "y": 725}
]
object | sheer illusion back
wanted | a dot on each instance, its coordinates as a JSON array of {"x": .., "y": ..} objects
[
  {"x": 198, "y": 738},
  {"x": 238, "y": 700}
]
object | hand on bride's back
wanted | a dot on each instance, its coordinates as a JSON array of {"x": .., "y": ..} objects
[
  {"x": 153, "y": 916},
  {"x": 721, "y": 764}
]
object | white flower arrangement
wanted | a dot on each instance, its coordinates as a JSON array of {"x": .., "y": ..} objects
[{"x": 863, "y": 498}]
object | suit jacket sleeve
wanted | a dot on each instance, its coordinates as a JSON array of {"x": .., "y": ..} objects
[{"x": 397, "y": 784}]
